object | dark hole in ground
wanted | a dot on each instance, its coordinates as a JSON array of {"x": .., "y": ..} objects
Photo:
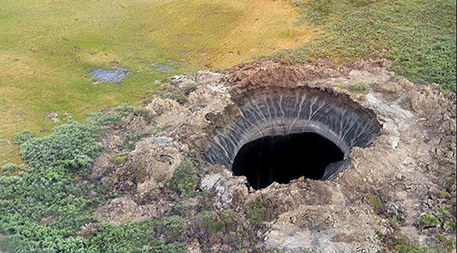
[{"x": 283, "y": 158}]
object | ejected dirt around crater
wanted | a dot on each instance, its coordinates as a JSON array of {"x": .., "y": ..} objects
[{"x": 259, "y": 134}]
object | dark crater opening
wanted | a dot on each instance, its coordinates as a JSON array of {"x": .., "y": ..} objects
[
  {"x": 286, "y": 157},
  {"x": 280, "y": 134}
]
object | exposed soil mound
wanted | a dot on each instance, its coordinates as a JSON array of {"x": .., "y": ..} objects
[{"x": 398, "y": 136}]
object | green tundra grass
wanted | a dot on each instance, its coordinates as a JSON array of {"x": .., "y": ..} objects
[{"x": 48, "y": 47}]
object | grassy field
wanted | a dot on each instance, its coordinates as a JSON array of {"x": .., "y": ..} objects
[
  {"x": 417, "y": 35},
  {"x": 48, "y": 47}
]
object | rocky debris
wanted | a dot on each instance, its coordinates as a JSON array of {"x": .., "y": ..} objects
[
  {"x": 4, "y": 142},
  {"x": 125, "y": 209},
  {"x": 154, "y": 158},
  {"x": 396, "y": 178},
  {"x": 88, "y": 229},
  {"x": 53, "y": 116},
  {"x": 160, "y": 141},
  {"x": 224, "y": 187}
]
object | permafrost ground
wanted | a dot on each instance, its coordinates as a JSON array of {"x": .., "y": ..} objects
[
  {"x": 285, "y": 111},
  {"x": 398, "y": 136}
]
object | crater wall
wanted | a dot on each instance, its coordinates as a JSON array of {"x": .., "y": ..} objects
[{"x": 291, "y": 111}]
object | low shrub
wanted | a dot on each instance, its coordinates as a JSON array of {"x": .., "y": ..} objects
[
  {"x": 69, "y": 146},
  {"x": 22, "y": 137},
  {"x": 376, "y": 202},
  {"x": 428, "y": 220},
  {"x": 118, "y": 159},
  {"x": 363, "y": 88},
  {"x": 139, "y": 237},
  {"x": 43, "y": 208},
  {"x": 185, "y": 178},
  {"x": 259, "y": 211},
  {"x": 11, "y": 168}
]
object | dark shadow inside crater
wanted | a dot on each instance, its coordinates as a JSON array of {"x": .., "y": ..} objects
[
  {"x": 286, "y": 157},
  {"x": 314, "y": 132}
]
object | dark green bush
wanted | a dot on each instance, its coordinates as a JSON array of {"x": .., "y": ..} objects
[
  {"x": 207, "y": 220},
  {"x": 185, "y": 178},
  {"x": 139, "y": 237},
  {"x": 259, "y": 211},
  {"x": 133, "y": 138},
  {"x": 428, "y": 220},
  {"x": 69, "y": 146},
  {"x": 172, "y": 229},
  {"x": 43, "y": 208},
  {"x": 22, "y": 137},
  {"x": 11, "y": 168}
]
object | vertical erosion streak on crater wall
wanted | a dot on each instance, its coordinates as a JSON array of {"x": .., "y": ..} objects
[{"x": 337, "y": 118}]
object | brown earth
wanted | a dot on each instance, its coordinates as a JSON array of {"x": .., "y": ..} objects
[{"x": 408, "y": 171}]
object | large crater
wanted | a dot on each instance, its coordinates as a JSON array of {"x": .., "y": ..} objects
[{"x": 285, "y": 133}]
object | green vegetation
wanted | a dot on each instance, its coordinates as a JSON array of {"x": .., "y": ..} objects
[
  {"x": 418, "y": 35},
  {"x": 394, "y": 223},
  {"x": 376, "y": 202},
  {"x": 428, "y": 220},
  {"x": 133, "y": 138},
  {"x": 441, "y": 194},
  {"x": 43, "y": 207},
  {"x": 361, "y": 88},
  {"x": 259, "y": 211},
  {"x": 439, "y": 237},
  {"x": 48, "y": 189},
  {"x": 414, "y": 248},
  {"x": 185, "y": 178},
  {"x": 179, "y": 97},
  {"x": 401, "y": 244},
  {"x": 208, "y": 221},
  {"x": 22, "y": 137},
  {"x": 118, "y": 159},
  {"x": 139, "y": 237},
  {"x": 224, "y": 222},
  {"x": 450, "y": 181},
  {"x": 10, "y": 169},
  {"x": 69, "y": 146},
  {"x": 227, "y": 227}
]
